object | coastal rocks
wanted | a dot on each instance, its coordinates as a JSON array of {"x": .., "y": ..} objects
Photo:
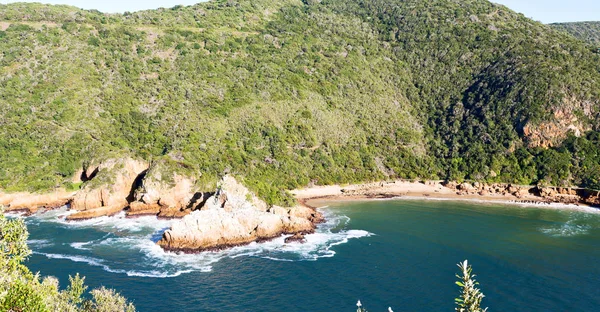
[
  {"x": 234, "y": 216},
  {"x": 561, "y": 195},
  {"x": 30, "y": 203},
  {"x": 110, "y": 188},
  {"x": 95, "y": 213},
  {"x": 137, "y": 209},
  {"x": 296, "y": 238},
  {"x": 484, "y": 189},
  {"x": 166, "y": 192},
  {"x": 592, "y": 198}
]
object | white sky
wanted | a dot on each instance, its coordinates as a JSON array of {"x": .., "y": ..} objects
[{"x": 547, "y": 11}]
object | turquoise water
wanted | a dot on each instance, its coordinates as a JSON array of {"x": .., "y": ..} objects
[{"x": 386, "y": 253}]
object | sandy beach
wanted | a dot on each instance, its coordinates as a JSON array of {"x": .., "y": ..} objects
[{"x": 318, "y": 196}]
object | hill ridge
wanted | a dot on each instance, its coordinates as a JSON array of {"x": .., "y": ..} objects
[{"x": 288, "y": 93}]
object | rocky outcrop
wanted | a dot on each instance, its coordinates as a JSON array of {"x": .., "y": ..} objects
[
  {"x": 31, "y": 202},
  {"x": 110, "y": 188},
  {"x": 529, "y": 194},
  {"x": 553, "y": 132},
  {"x": 296, "y": 238},
  {"x": 95, "y": 213},
  {"x": 561, "y": 195},
  {"x": 234, "y": 216},
  {"x": 592, "y": 198},
  {"x": 484, "y": 189},
  {"x": 166, "y": 193}
]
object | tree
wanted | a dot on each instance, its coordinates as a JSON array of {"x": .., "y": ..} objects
[{"x": 21, "y": 290}]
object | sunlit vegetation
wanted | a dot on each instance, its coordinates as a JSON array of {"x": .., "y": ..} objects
[
  {"x": 286, "y": 93},
  {"x": 586, "y": 31},
  {"x": 23, "y": 290}
]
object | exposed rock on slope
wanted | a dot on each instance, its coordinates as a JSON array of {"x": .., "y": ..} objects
[
  {"x": 552, "y": 133},
  {"x": 166, "y": 193},
  {"x": 234, "y": 216},
  {"x": 108, "y": 192}
]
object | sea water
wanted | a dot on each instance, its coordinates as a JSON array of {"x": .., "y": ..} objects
[{"x": 398, "y": 253}]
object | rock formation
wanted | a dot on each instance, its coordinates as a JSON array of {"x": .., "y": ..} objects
[
  {"x": 485, "y": 189},
  {"x": 110, "y": 188},
  {"x": 296, "y": 238},
  {"x": 234, "y": 216},
  {"x": 32, "y": 202},
  {"x": 166, "y": 193}
]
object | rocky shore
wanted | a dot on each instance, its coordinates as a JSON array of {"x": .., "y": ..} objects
[{"x": 231, "y": 215}]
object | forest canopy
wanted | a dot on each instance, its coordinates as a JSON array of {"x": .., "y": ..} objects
[{"x": 285, "y": 93}]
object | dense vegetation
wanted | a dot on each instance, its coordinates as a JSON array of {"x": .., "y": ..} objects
[
  {"x": 22, "y": 290},
  {"x": 586, "y": 31},
  {"x": 289, "y": 92}
]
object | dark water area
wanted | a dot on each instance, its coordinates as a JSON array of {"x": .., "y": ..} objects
[{"x": 401, "y": 254}]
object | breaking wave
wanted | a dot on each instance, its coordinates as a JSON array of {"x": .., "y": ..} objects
[{"x": 128, "y": 246}]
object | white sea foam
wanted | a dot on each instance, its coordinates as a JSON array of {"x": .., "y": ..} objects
[
  {"x": 74, "y": 258},
  {"x": 566, "y": 230},
  {"x": 542, "y": 205},
  {"x": 39, "y": 243},
  {"x": 102, "y": 263},
  {"x": 120, "y": 222},
  {"x": 80, "y": 246},
  {"x": 138, "y": 237},
  {"x": 578, "y": 224}
]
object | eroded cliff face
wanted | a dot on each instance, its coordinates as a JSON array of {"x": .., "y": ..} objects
[
  {"x": 552, "y": 133},
  {"x": 166, "y": 193},
  {"x": 110, "y": 189},
  {"x": 234, "y": 216}
]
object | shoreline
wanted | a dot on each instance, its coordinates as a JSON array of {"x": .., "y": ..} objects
[{"x": 525, "y": 196}]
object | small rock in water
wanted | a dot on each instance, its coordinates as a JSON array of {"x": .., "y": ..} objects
[{"x": 296, "y": 238}]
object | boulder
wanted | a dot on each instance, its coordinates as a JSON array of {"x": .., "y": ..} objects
[
  {"x": 173, "y": 213},
  {"x": 513, "y": 190},
  {"x": 548, "y": 192},
  {"x": 465, "y": 186},
  {"x": 296, "y": 238},
  {"x": 142, "y": 209}
]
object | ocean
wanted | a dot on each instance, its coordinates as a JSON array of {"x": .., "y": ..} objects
[{"x": 390, "y": 253}]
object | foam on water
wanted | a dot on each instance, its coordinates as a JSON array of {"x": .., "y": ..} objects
[
  {"x": 39, "y": 243},
  {"x": 125, "y": 241},
  {"x": 101, "y": 263},
  {"x": 566, "y": 230},
  {"x": 538, "y": 205},
  {"x": 578, "y": 224}
]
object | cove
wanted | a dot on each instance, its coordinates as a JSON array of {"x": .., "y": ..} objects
[{"x": 399, "y": 253}]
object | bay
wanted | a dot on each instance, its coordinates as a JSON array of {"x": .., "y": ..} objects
[{"x": 398, "y": 253}]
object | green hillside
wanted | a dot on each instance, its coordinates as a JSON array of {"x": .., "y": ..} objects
[
  {"x": 285, "y": 93},
  {"x": 586, "y": 31}
]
